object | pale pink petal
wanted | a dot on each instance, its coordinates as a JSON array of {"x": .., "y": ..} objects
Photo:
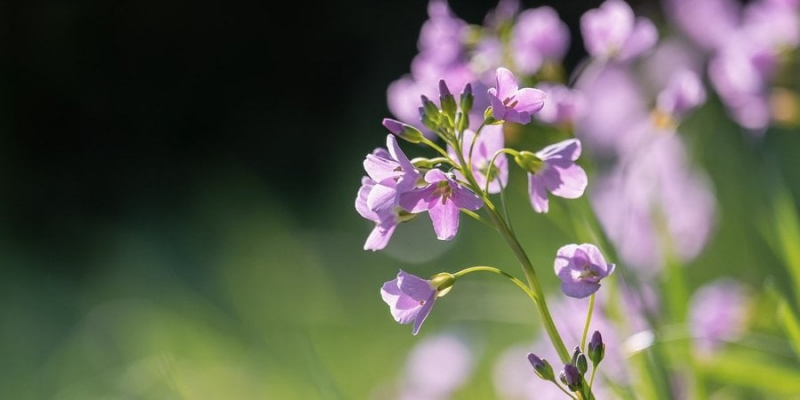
[
  {"x": 444, "y": 216},
  {"x": 537, "y": 193},
  {"x": 529, "y": 100},
  {"x": 506, "y": 83}
]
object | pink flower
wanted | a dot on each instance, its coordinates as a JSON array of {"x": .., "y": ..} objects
[{"x": 512, "y": 104}]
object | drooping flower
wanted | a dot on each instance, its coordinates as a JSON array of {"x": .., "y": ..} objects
[
  {"x": 553, "y": 170},
  {"x": 385, "y": 222},
  {"x": 580, "y": 268},
  {"x": 512, "y": 104},
  {"x": 393, "y": 174},
  {"x": 539, "y": 36},
  {"x": 442, "y": 199},
  {"x": 487, "y": 143},
  {"x": 613, "y": 31},
  {"x": 410, "y": 299}
]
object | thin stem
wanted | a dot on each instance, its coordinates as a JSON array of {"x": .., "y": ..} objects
[
  {"x": 525, "y": 263},
  {"x": 491, "y": 166},
  {"x": 564, "y": 390},
  {"x": 591, "y": 378},
  {"x": 475, "y": 139},
  {"x": 435, "y": 147},
  {"x": 588, "y": 321},
  {"x": 498, "y": 271},
  {"x": 477, "y": 217}
]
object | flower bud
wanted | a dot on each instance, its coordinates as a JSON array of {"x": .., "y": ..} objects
[
  {"x": 541, "y": 367},
  {"x": 447, "y": 100},
  {"x": 443, "y": 282},
  {"x": 462, "y": 121},
  {"x": 581, "y": 363},
  {"x": 597, "y": 349},
  {"x": 427, "y": 121},
  {"x": 466, "y": 99},
  {"x": 573, "y": 377},
  {"x": 430, "y": 109},
  {"x": 405, "y": 132},
  {"x": 529, "y": 162}
]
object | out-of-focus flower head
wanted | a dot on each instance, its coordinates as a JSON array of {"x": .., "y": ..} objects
[
  {"x": 653, "y": 187},
  {"x": 613, "y": 31},
  {"x": 553, "y": 169},
  {"x": 410, "y": 299},
  {"x": 683, "y": 93},
  {"x": 539, "y": 36},
  {"x": 487, "y": 143},
  {"x": 709, "y": 23},
  {"x": 717, "y": 313},
  {"x": 442, "y": 198},
  {"x": 564, "y": 106},
  {"x": 436, "y": 367}
]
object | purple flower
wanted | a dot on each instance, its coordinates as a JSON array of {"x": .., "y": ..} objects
[
  {"x": 442, "y": 199},
  {"x": 488, "y": 142},
  {"x": 393, "y": 174},
  {"x": 539, "y": 36},
  {"x": 556, "y": 173},
  {"x": 718, "y": 312},
  {"x": 563, "y": 106},
  {"x": 707, "y": 22},
  {"x": 613, "y": 31},
  {"x": 410, "y": 299},
  {"x": 580, "y": 268},
  {"x": 512, "y": 104},
  {"x": 385, "y": 222},
  {"x": 683, "y": 93}
]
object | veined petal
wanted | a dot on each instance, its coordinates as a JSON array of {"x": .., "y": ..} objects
[
  {"x": 423, "y": 313},
  {"x": 579, "y": 290},
  {"x": 382, "y": 199},
  {"x": 435, "y": 176},
  {"x": 397, "y": 154},
  {"x": 361, "y": 200},
  {"x": 537, "y": 193},
  {"x": 414, "y": 287},
  {"x": 596, "y": 258},
  {"x": 529, "y": 100},
  {"x": 506, "y": 84},
  {"x": 465, "y": 198},
  {"x": 569, "y": 149},
  {"x": 418, "y": 200},
  {"x": 379, "y": 237},
  {"x": 380, "y": 169},
  {"x": 569, "y": 182},
  {"x": 563, "y": 257},
  {"x": 444, "y": 216},
  {"x": 498, "y": 108}
]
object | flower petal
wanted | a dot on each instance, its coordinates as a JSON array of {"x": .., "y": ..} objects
[
  {"x": 444, "y": 216},
  {"x": 529, "y": 100},
  {"x": 506, "y": 83},
  {"x": 569, "y": 183},
  {"x": 643, "y": 37},
  {"x": 413, "y": 286},
  {"x": 423, "y": 313},
  {"x": 465, "y": 198},
  {"x": 579, "y": 289},
  {"x": 361, "y": 200},
  {"x": 596, "y": 258},
  {"x": 537, "y": 193},
  {"x": 382, "y": 199},
  {"x": 418, "y": 200},
  {"x": 569, "y": 150},
  {"x": 498, "y": 108},
  {"x": 380, "y": 235},
  {"x": 435, "y": 176}
]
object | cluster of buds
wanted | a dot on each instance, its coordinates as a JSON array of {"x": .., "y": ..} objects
[{"x": 574, "y": 372}]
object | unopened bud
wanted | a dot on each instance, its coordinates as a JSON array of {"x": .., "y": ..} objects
[
  {"x": 462, "y": 121},
  {"x": 443, "y": 282},
  {"x": 529, "y": 162},
  {"x": 541, "y": 367},
  {"x": 581, "y": 363},
  {"x": 427, "y": 121},
  {"x": 406, "y": 132},
  {"x": 447, "y": 100},
  {"x": 430, "y": 109},
  {"x": 597, "y": 349},
  {"x": 573, "y": 377},
  {"x": 466, "y": 99}
]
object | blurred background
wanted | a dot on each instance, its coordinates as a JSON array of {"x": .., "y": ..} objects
[{"x": 177, "y": 221}]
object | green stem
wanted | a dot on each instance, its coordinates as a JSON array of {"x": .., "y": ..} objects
[
  {"x": 498, "y": 271},
  {"x": 591, "y": 378},
  {"x": 525, "y": 263},
  {"x": 588, "y": 321},
  {"x": 477, "y": 217},
  {"x": 436, "y": 147},
  {"x": 565, "y": 391}
]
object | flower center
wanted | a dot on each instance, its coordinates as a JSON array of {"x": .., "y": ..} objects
[
  {"x": 510, "y": 102},
  {"x": 443, "y": 190}
]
